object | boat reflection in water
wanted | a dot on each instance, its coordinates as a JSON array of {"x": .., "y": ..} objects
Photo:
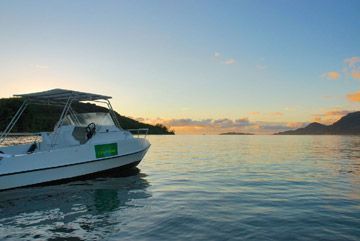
[{"x": 81, "y": 210}]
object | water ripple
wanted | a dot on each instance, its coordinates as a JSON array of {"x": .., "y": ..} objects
[{"x": 204, "y": 188}]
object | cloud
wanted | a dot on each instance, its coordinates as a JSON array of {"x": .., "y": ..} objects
[
  {"x": 296, "y": 125},
  {"x": 336, "y": 112},
  {"x": 355, "y": 75},
  {"x": 224, "y": 121},
  {"x": 187, "y": 122},
  {"x": 354, "y": 97},
  {"x": 332, "y": 75},
  {"x": 242, "y": 122},
  {"x": 217, "y": 54},
  {"x": 230, "y": 61},
  {"x": 215, "y": 126},
  {"x": 352, "y": 62},
  {"x": 273, "y": 127},
  {"x": 218, "y": 57},
  {"x": 254, "y": 113},
  {"x": 352, "y": 67},
  {"x": 218, "y": 123},
  {"x": 330, "y": 116},
  {"x": 227, "y": 123}
]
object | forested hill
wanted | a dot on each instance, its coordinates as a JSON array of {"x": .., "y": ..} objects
[{"x": 43, "y": 117}]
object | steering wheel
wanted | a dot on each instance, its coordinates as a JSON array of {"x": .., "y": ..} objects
[{"x": 90, "y": 130}]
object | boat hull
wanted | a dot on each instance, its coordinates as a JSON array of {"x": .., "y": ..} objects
[{"x": 69, "y": 172}]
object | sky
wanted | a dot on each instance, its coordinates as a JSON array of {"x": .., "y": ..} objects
[{"x": 198, "y": 67}]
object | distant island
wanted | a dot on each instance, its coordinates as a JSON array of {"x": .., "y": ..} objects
[
  {"x": 44, "y": 117},
  {"x": 235, "y": 133},
  {"x": 347, "y": 125}
]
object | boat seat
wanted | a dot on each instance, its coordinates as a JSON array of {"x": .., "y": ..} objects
[
  {"x": 32, "y": 148},
  {"x": 79, "y": 133}
]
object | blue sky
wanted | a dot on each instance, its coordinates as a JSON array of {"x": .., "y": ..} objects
[{"x": 271, "y": 63}]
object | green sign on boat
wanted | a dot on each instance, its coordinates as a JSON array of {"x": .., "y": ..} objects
[{"x": 106, "y": 150}]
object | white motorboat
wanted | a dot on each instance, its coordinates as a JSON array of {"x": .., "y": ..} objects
[{"x": 80, "y": 146}]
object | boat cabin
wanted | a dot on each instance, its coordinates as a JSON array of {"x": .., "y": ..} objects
[{"x": 72, "y": 128}]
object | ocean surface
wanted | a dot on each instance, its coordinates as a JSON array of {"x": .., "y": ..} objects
[{"x": 204, "y": 188}]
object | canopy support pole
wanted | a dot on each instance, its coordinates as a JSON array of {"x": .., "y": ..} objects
[
  {"x": 61, "y": 120},
  {"x": 13, "y": 121},
  {"x": 113, "y": 115}
]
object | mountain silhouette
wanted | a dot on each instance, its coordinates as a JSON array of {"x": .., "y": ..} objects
[{"x": 347, "y": 125}]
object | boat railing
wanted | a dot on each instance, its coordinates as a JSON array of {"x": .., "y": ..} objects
[{"x": 139, "y": 132}]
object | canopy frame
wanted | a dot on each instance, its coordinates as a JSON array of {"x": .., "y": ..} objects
[{"x": 57, "y": 97}]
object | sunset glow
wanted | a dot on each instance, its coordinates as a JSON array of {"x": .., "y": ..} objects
[{"x": 198, "y": 67}]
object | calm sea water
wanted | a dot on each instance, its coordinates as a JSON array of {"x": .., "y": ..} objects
[{"x": 204, "y": 188}]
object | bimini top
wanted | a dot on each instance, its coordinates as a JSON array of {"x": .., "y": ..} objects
[{"x": 61, "y": 95}]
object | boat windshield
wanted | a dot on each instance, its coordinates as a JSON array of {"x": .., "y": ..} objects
[{"x": 85, "y": 119}]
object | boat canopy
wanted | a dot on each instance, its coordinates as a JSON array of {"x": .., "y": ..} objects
[{"x": 62, "y": 95}]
